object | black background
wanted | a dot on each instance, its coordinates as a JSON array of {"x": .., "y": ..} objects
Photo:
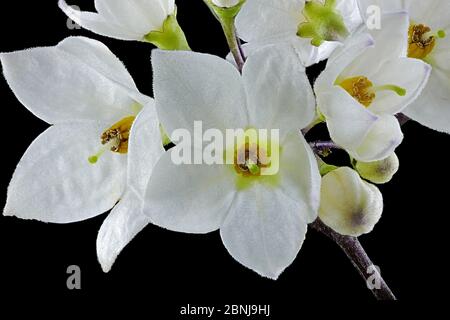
[{"x": 168, "y": 270}]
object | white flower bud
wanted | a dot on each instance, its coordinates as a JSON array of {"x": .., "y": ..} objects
[
  {"x": 349, "y": 205},
  {"x": 226, "y": 3},
  {"x": 378, "y": 172}
]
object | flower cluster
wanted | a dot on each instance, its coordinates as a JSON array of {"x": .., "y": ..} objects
[{"x": 108, "y": 148}]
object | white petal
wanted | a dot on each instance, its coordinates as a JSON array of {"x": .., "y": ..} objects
[
  {"x": 386, "y": 6},
  {"x": 144, "y": 149},
  {"x": 60, "y": 84},
  {"x": 190, "y": 86},
  {"x": 126, "y": 220},
  {"x": 196, "y": 198},
  {"x": 409, "y": 74},
  {"x": 432, "y": 108},
  {"x": 341, "y": 58},
  {"x": 390, "y": 42},
  {"x": 264, "y": 230},
  {"x": 140, "y": 16},
  {"x": 54, "y": 182},
  {"x": 433, "y": 13},
  {"x": 348, "y": 121},
  {"x": 279, "y": 95},
  {"x": 382, "y": 140},
  {"x": 123, "y": 223},
  {"x": 96, "y": 23},
  {"x": 350, "y": 13},
  {"x": 299, "y": 175},
  {"x": 97, "y": 56},
  {"x": 259, "y": 19}
]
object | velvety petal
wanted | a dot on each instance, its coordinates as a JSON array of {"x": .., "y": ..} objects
[
  {"x": 279, "y": 95},
  {"x": 191, "y": 87},
  {"x": 123, "y": 223},
  {"x": 259, "y": 19},
  {"x": 391, "y": 42},
  {"x": 189, "y": 198},
  {"x": 409, "y": 74},
  {"x": 127, "y": 219},
  {"x": 97, "y": 23},
  {"x": 141, "y": 16},
  {"x": 60, "y": 84},
  {"x": 433, "y": 13},
  {"x": 386, "y": 6},
  {"x": 299, "y": 176},
  {"x": 264, "y": 230},
  {"x": 348, "y": 121},
  {"x": 382, "y": 140},
  {"x": 145, "y": 148},
  {"x": 342, "y": 58},
  {"x": 432, "y": 108},
  {"x": 54, "y": 182}
]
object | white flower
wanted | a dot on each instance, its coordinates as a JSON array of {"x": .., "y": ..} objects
[
  {"x": 263, "y": 22},
  {"x": 125, "y": 20},
  {"x": 365, "y": 84},
  {"x": 429, "y": 40},
  {"x": 349, "y": 205},
  {"x": 226, "y": 3},
  {"x": 89, "y": 98},
  {"x": 262, "y": 219}
]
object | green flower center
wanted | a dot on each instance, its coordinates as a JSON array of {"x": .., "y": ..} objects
[{"x": 323, "y": 23}]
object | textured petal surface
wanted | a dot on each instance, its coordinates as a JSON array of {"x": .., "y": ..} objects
[
  {"x": 279, "y": 95},
  {"x": 264, "y": 230},
  {"x": 193, "y": 87},
  {"x": 79, "y": 79},
  {"x": 259, "y": 19},
  {"x": 100, "y": 24},
  {"x": 299, "y": 177},
  {"x": 382, "y": 140},
  {"x": 189, "y": 198},
  {"x": 409, "y": 74},
  {"x": 126, "y": 220},
  {"x": 348, "y": 121},
  {"x": 54, "y": 182},
  {"x": 432, "y": 108}
]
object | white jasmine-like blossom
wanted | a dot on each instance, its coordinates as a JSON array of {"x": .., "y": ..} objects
[
  {"x": 428, "y": 40},
  {"x": 226, "y": 3},
  {"x": 263, "y": 22},
  {"x": 349, "y": 205},
  {"x": 77, "y": 168},
  {"x": 365, "y": 84},
  {"x": 262, "y": 219},
  {"x": 125, "y": 20}
]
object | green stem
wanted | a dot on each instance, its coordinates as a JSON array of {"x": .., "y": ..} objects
[{"x": 229, "y": 30}]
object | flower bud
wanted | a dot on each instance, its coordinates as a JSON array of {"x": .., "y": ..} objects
[
  {"x": 349, "y": 205},
  {"x": 378, "y": 172},
  {"x": 226, "y": 3}
]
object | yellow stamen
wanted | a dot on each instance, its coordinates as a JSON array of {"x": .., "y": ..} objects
[
  {"x": 359, "y": 88},
  {"x": 114, "y": 139},
  {"x": 250, "y": 159},
  {"x": 363, "y": 90},
  {"x": 119, "y": 132},
  {"x": 420, "y": 45}
]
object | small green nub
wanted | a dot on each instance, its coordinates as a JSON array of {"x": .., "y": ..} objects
[
  {"x": 400, "y": 91},
  {"x": 93, "y": 160},
  {"x": 441, "y": 34},
  {"x": 254, "y": 168}
]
